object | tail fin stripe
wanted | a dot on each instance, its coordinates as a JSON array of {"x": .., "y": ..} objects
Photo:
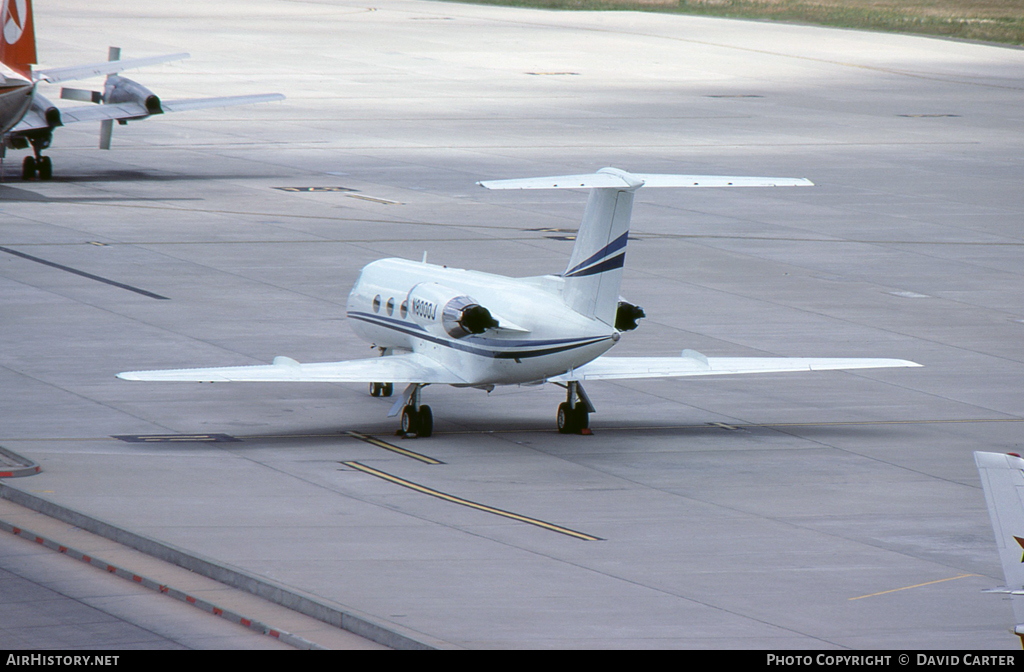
[
  {"x": 609, "y": 249},
  {"x": 607, "y": 265}
]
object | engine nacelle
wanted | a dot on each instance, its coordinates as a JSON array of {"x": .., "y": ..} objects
[
  {"x": 433, "y": 305},
  {"x": 47, "y": 111},
  {"x": 123, "y": 90}
]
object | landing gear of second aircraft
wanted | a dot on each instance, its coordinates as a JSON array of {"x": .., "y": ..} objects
[
  {"x": 38, "y": 164},
  {"x": 30, "y": 167}
]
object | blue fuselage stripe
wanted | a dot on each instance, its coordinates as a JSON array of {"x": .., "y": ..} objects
[{"x": 520, "y": 352}]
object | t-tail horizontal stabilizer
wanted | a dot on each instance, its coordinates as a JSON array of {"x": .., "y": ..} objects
[
  {"x": 1002, "y": 479},
  {"x": 594, "y": 273}
]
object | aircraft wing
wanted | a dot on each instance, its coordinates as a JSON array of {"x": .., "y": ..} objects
[
  {"x": 69, "y": 115},
  {"x": 202, "y": 103},
  {"x": 610, "y": 178},
  {"x": 693, "y": 363},
  {"x": 408, "y": 368},
  {"x": 73, "y": 72}
]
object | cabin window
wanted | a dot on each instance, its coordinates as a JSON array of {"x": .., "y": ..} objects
[
  {"x": 391, "y": 306},
  {"x": 403, "y": 310},
  {"x": 376, "y": 304}
]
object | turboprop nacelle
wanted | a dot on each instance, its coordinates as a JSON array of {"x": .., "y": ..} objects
[{"x": 123, "y": 90}]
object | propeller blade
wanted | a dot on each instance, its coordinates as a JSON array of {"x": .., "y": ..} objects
[
  {"x": 106, "y": 129},
  {"x": 107, "y": 126},
  {"x": 84, "y": 95}
]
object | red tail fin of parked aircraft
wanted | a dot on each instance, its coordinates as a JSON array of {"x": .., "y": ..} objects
[{"x": 18, "y": 37}]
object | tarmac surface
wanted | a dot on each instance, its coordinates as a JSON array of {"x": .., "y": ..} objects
[{"x": 832, "y": 510}]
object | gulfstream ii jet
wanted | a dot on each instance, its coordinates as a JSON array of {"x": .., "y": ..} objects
[{"x": 439, "y": 325}]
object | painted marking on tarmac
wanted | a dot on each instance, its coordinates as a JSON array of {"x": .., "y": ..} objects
[
  {"x": 917, "y": 585},
  {"x": 373, "y": 441},
  {"x": 465, "y": 502},
  {"x": 313, "y": 189},
  {"x": 176, "y": 438},
  {"x": 90, "y": 276},
  {"x": 374, "y": 199},
  {"x": 209, "y": 607}
]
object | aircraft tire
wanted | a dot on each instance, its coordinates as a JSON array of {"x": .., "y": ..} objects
[
  {"x": 410, "y": 421},
  {"x": 426, "y": 422},
  {"x": 566, "y": 419},
  {"x": 45, "y": 167},
  {"x": 582, "y": 420},
  {"x": 387, "y": 389},
  {"x": 375, "y": 389},
  {"x": 28, "y": 168}
]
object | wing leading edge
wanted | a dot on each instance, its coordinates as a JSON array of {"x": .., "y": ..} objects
[
  {"x": 408, "y": 368},
  {"x": 74, "y": 72},
  {"x": 693, "y": 363},
  {"x": 134, "y": 110}
]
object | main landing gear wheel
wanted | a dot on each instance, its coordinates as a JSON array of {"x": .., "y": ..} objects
[
  {"x": 418, "y": 422},
  {"x": 32, "y": 166},
  {"x": 381, "y": 389},
  {"x": 572, "y": 420},
  {"x": 45, "y": 168},
  {"x": 574, "y": 412}
]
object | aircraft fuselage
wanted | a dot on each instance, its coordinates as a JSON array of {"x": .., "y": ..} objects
[
  {"x": 403, "y": 305},
  {"x": 15, "y": 99}
]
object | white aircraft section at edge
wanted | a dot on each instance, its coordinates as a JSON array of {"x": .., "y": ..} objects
[
  {"x": 1002, "y": 479},
  {"x": 439, "y": 325}
]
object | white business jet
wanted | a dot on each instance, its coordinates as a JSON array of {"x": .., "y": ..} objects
[{"x": 439, "y": 325}]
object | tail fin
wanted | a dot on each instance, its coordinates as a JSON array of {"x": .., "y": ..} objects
[
  {"x": 18, "y": 37},
  {"x": 594, "y": 273},
  {"x": 1002, "y": 478}
]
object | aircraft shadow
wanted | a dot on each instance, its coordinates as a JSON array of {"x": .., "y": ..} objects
[
  {"x": 387, "y": 432},
  {"x": 12, "y": 176},
  {"x": 11, "y": 194}
]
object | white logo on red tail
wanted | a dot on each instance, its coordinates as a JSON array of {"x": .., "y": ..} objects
[{"x": 14, "y": 15}]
